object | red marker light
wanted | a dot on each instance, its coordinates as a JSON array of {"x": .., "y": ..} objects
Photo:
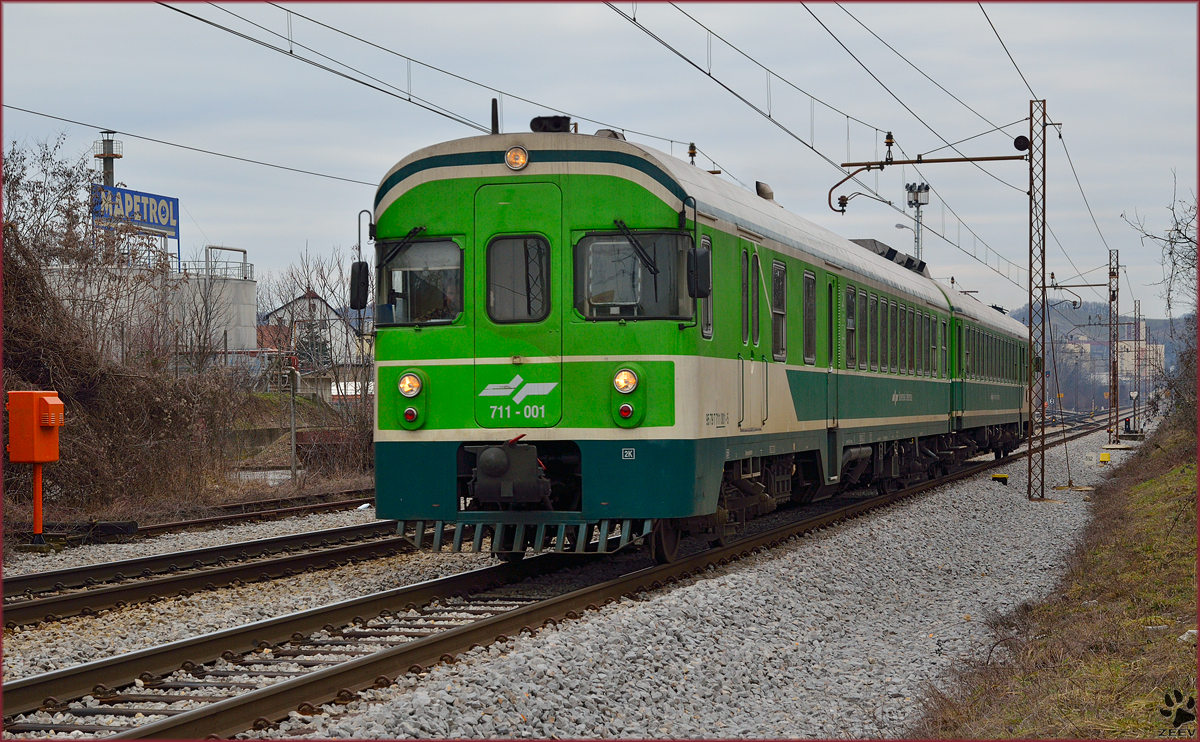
[
  {"x": 626, "y": 411},
  {"x": 410, "y": 414}
]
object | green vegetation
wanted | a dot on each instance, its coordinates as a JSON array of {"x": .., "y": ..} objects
[{"x": 1096, "y": 658}]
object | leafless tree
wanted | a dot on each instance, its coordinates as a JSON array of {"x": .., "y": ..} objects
[
  {"x": 305, "y": 309},
  {"x": 1179, "y": 288}
]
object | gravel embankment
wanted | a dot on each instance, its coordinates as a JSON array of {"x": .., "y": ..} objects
[
  {"x": 833, "y": 635},
  {"x": 32, "y": 650},
  {"x": 17, "y": 563}
]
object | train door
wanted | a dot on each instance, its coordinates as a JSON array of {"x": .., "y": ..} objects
[
  {"x": 959, "y": 368},
  {"x": 517, "y": 304},
  {"x": 752, "y": 360},
  {"x": 830, "y": 303}
]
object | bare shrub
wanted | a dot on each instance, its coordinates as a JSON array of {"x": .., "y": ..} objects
[{"x": 87, "y": 315}]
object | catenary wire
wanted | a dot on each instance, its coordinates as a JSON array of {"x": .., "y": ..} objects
[
  {"x": 456, "y": 76},
  {"x": 820, "y": 154},
  {"x": 475, "y": 82},
  {"x": 790, "y": 84},
  {"x": 193, "y": 149},
  {"x": 462, "y": 78},
  {"x": 1006, "y": 51},
  {"x": 1081, "y": 193},
  {"x": 407, "y": 93},
  {"x": 1060, "y": 139},
  {"x": 902, "y": 103},
  {"x": 410, "y": 99},
  {"x": 927, "y": 77},
  {"x": 1072, "y": 262},
  {"x": 974, "y": 136}
]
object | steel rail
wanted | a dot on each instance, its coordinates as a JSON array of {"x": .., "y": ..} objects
[
  {"x": 158, "y": 528},
  {"x": 27, "y": 694},
  {"x": 88, "y": 602},
  {"x": 236, "y": 714},
  {"x": 250, "y": 510},
  {"x": 260, "y": 707},
  {"x": 59, "y": 579},
  {"x": 249, "y": 506}
]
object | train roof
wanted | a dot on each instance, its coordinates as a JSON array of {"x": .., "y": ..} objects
[
  {"x": 672, "y": 178},
  {"x": 767, "y": 217}
]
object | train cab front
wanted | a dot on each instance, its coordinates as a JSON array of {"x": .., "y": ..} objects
[{"x": 507, "y": 296}]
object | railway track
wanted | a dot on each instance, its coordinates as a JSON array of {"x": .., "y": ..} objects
[
  {"x": 49, "y": 596},
  {"x": 249, "y": 676},
  {"x": 241, "y": 512}
]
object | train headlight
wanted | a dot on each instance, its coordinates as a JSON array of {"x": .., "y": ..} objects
[
  {"x": 625, "y": 381},
  {"x": 409, "y": 385},
  {"x": 516, "y": 158}
]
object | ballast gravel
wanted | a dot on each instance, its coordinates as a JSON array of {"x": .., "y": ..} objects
[
  {"x": 833, "y": 635},
  {"x": 19, "y": 563},
  {"x": 32, "y": 650}
]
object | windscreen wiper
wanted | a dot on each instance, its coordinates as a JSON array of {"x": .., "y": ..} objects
[
  {"x": 643, "y": 256},
  {"x": 408, "y": 238},
  {"x": 637, "y": 247}
]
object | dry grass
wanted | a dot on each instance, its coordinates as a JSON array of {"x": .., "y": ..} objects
[{"x": 1086, "y": 662}]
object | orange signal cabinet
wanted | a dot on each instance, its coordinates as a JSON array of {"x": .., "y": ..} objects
[{"x": 33, "y": 422}]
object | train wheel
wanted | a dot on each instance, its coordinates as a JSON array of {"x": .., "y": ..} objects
[
  {"x": 666, "y": 537},
  {"x": 512, "y": 557}
]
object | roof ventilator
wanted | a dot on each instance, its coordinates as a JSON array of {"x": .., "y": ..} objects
[{"x": 890, "y": 253}]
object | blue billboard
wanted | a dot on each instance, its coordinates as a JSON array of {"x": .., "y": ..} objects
[{"x": 157, "y": 214}]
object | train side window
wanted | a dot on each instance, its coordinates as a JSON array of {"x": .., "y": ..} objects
[
  {"x": 778, "y": 311},
  {"x": 983, "y": 356},
  {"x": 892, "y": 336},
  {"x": 945, "y": 368},
  {"x": 902, "y": 331},
  {"x": 922, "y": 341},
  {"x": 810, "y": 318},
  {"x": 755, "y": 300},
  {"x": 745, "y": 297},
  {"x": 910, "y": 342},
  {"x": 706, "y": 304},
  {"x": 864, "y": 335},
  {"x": 518, "y": 279},
  {"x": 851, "y": 341},
  {"x": 923, "y": 344},
  {"x": 964, "y": 352},
  {"x": 929, "y": 361},
  {"x": 874, "y": 332},
  {"x": 931, "y": 345}
]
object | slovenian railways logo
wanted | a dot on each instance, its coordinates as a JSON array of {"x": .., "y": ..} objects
[
  {"x": 901, "y": 397},
  {"x": 533, "y": 389}
]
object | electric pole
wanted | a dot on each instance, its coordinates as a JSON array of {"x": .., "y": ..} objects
[
  {"x": 1036, "y": 461},
  {"x": 1114, "y": 320}
]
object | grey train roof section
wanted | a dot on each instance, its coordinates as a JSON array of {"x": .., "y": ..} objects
[
  {"x": 766, "y": 217},
  {"x": 713, "y": 196}
]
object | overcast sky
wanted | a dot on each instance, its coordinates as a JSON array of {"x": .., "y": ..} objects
[{"x": 1119, "y": 78}]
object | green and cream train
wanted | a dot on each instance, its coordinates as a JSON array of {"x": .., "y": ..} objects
[{"x": 580, "y": 336}]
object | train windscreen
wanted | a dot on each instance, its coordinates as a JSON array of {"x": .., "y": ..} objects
[{"x": 616, "y": 278}]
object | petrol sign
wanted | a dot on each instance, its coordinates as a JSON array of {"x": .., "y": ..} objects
[{"x": 152, "y": 213}]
